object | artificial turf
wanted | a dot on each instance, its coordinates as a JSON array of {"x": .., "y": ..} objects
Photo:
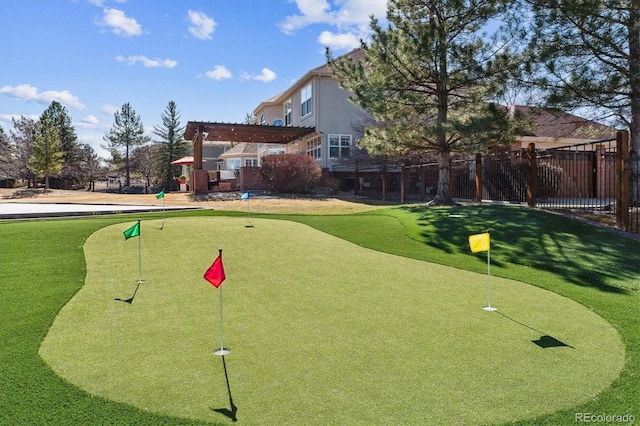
[{"x": 35, "y": 289}]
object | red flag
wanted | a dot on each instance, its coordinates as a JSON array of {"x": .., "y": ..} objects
[{"x": 215, "y": 273}]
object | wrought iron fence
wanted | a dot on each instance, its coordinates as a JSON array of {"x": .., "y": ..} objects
[{"x": 578, "y": 177}]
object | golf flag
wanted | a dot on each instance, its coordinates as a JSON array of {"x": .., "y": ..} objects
[
  {"x": 134, "y": 231},
  {"x": 160, "y": 194},
  {"x": 244, "y": 196},
  {"x": 479, "y": 242},
  {"x": 215, "y": 273}
]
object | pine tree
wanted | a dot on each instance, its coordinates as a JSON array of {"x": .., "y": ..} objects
[
  {"x": 22, "y": 140},
  {"x": 125, "y": 135},
  {"x": 588, "y": 53},
  {"x": 171, "y": 145},
  {"x": 47, "y": 155},
  {"x": 7, "y": 169},
  {"x": 68, "y": 139},
  {"x": 428, "y": 80}
]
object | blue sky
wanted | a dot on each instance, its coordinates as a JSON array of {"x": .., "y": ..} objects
[{"x": 217, "y": 59}]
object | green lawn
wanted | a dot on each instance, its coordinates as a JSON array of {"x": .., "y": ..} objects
[{"x": 335, "y": 336}]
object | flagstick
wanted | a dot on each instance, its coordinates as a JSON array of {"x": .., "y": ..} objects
[
  {"x": 139, "y": 256},
  {"x": 489, "y": 307},
  {"x": 162, "y": 212},
  {"x": 222, "y": 351}
]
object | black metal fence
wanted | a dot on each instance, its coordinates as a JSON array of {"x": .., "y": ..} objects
[{"x": 590, "y": 177}]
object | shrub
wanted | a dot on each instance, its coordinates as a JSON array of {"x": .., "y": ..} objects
[{"x": 293, "y": 173}]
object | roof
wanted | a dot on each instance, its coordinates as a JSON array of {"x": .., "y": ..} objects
[
  {"x": 243, "y": 149},
  {"x": 236, "y": 132},
  {"x": 556, "y": 124}
]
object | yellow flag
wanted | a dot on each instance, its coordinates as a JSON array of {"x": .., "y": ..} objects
[{"x": 479, "y": 242}]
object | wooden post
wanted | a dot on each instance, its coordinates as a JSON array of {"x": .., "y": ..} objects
[
  {"x": 197, "y": 149},
  {"x": 384, "y": 182},
  {"x": 403, "y": 177},
  {"x": 478, "y": 194},
  {"x": 532, "y": 175},
  {"x": 622, "y": 180}
]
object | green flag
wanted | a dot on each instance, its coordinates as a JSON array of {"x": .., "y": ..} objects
[
  {"x": 134, "y": 231},
  {"x": 160, "y": 194}
]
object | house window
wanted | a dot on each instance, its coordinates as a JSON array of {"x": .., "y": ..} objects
[
  {"x": 305, "y": 99},
  {"x": 277, "y": 122},
  {"x": 339, "y": 146},
  {"x": 262, "y": 120},
  {"x": 251, "y": 162},
  {"x": 233, "y": 164},
  {"x": 274, "y": 151},
  {"x": 314, "y": 147},
  {"x": 287, "y": 113}
]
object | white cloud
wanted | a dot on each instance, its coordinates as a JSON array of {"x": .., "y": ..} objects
[
  {"x": 219, "y": 72},
  {"x": 109, "y": 109},
  {"x": 147, "y": 62},
  {"x": 26, "y": 92},
  {"x": 8, "y": 118},
  {"x": 345, "y": 41},
  {"x": 90, "y": 122},
  {"x": 266, "y": 75},
  {"x": 350, "y": 17},
  {"x": 90, "y": 119},
  {"x": 120, "y": 23},
  {"x": 201, "y": 26}
]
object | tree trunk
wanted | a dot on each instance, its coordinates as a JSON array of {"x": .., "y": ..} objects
[{"x": 444, "y": 167}]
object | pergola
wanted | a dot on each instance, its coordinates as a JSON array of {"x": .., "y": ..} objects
[{"x": 199, "y": 131}]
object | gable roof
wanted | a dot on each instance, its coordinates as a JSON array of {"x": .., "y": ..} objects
[
  {"x": 243, "y": 149},
  {"x": 556, "y": 124}
]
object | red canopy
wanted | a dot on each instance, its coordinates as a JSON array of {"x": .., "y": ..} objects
[{"x": 185, "y": 160}]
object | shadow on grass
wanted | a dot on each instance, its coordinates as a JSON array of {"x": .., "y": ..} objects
[
  {"x": 129, "y": 300},
  {"x": 26, "y": 193},
  {"x": 520, "y": 236},
  {"x": 231, "y": 412},
  {"x": 545, "y": 341}
]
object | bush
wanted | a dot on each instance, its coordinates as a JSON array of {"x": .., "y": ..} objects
[{"x": 292, "y": 173}]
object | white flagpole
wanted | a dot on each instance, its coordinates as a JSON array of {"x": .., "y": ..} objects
[
  {"x": 222, "y": 351},
  {"x": 139, "y": 254},
  {"x": 489, "y": 307}
]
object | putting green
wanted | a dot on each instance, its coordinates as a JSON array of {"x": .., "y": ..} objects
[{"x": 321, "y": 331}]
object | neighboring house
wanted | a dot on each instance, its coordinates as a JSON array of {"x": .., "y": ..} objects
[
  {"x": 554, "y": 128},
  {"x": 242, "y": 155}
]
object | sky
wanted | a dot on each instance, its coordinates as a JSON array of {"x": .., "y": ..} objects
[{"x": 216, "y": 59}]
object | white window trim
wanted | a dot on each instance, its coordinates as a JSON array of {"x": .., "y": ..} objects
[
  {"x": 335, "y": 141},
  {"x": 306, "y": 98}
]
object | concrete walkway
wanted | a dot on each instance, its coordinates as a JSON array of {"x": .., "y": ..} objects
[{"x": 43, "y": 210}]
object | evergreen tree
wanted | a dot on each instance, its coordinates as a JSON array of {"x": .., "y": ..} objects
[
  {"x": 171, "y": 145},
  {"x": 586, "y": 54},
  {"x": 428, "y": 80},
  {"x": 68, "y": 139},
  {"x": 21, "y": 137},
  {"x": 47, "y": 155},
  {"x": 7, "y": 169},
  {"x": 89, "y": 165},
  {"x": 125, "y": 135}
]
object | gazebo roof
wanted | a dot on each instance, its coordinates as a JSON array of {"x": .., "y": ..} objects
[{"x": 236, "y": 132}]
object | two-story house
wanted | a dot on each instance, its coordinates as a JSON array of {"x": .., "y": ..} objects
[{"x": 313, "y": 116}]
